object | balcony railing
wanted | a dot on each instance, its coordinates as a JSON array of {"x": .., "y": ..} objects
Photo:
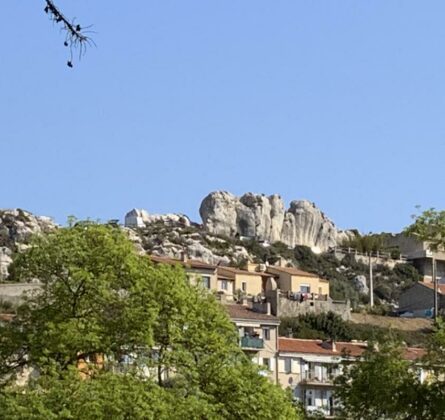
[
  {"x": 252, "y": 342},
  {"x": 321, "y": 379}
]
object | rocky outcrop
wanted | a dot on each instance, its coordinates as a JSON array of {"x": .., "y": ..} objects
[
  {"x": 141, "y": 218},
  {"x": 360, "y": 285},
  {"x": 265, "y": 218},
  {"x": 175, "y": 236},
  {"x": 5, "y": 260},
  {"x": 16, "y": 228}
]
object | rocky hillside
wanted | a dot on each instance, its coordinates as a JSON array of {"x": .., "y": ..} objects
[
  {"x": 170, "y": 236},
  {"x": 265, "y": 218},
  {"x": 253, "y": 227},
  {"x": 16, "y": 228}
]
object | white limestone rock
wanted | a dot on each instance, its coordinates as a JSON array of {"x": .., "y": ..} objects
[
  {"x": 16, "y": 228},
  {"x": 5, "y": 260},
  {"x": 141, "y": 218},
  {"x": 265, "y": 218},
  {"x": 360, "y": 284}
]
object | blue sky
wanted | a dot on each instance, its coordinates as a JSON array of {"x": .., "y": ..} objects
[{"x": 338, "y": 102}]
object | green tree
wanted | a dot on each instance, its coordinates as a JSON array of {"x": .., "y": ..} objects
[
  {"x": 429, "y": 226},
  {"x": 385, "y": 385},
  {"x": 99, "y": 297},
  {"x": 381, "y": 386}
]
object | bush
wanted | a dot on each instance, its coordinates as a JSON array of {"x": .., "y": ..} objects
[{"x": 331, "y": 326}]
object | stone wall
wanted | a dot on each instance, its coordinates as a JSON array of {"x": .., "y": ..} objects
[
  {"x": 281, "y": 306},
  {"x": 13, "y": 292}
]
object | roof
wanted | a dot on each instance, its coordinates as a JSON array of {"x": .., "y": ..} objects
[
  {"x": 440, "y": 287},
  {"x": 237, "y": 311},
  {"x": 297, "y": 345},
  {"x": 232, "y": 271},
  {"x": 6, "y": 317},
  {"x": 413, "y": 353},
  {"x": 292, "y": 271},
  {"x": 186, "y": 264}
]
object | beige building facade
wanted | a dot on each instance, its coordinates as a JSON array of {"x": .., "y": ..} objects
[
  {"x": 258, "y": 337},
  {"x": 198, "y": 272},
  {"x": 309, "y": 369},
  {"x": 244, "y": 282},
  {"x": 293, "y": 280}
]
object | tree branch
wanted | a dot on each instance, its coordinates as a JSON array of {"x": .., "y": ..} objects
[{"x": 76, "y": 36}]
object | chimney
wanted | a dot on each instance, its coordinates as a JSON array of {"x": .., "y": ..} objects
[
  {"x": 267, "y": 308},
  {"x": 184, "y": 257},
  {"x": 244, "y": 301},
  {"x": 329, "y": 345}
]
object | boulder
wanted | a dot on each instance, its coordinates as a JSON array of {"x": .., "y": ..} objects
[
  {"x": 138, "y": 218},
  {"x": 360, "y": 284},
  {"x": 265, "y": 218}
]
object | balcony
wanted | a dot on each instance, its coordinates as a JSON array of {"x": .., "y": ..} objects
[
  {"x": 313, "y": 379},
  {"x": 252, "y": 343}
]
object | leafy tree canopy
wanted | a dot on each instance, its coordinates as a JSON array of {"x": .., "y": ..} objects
[
  {"x": 101, "y": 300},
  {"x": 385, "y": 385},
  {"x": 429, "y": 226}
]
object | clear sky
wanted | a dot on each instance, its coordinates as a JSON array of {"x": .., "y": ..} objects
[{"x": 339, "y": 102}]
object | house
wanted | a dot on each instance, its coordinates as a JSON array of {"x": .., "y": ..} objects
[
  {"x": 419, "y": 254},
  {"x": 258, "y": 335},
  {"x": 309, "y": 368},
  {"x": 245, "y": 282},
  {"x": 197, "y": 272},
  {"x": 295, "y": 292},
  {"x": 418, "y": 300},
  {"x": 294, "y": 280}
]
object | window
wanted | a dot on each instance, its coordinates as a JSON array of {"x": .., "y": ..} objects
[
  {"x": 266, "y": 362},
  {"x": 244, "y": 286},
  {"x": 287, "y": 364},
  {"x": 224, "y": 285},
  {"x": 305, "y": 288},
  {"x": 266, "y": 334},
  {"x": 205, "y": 281}
]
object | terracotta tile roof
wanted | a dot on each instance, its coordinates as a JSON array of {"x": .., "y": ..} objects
[
  {"x": 413, "y": 353},
  {"x": 440, "y": 288},
  {"x": 296, "y": 345},
  {"x": 237, "y": 311},
  {"x": 292, "y": 271},
  {"x": 185, "y": 264},
  {"x": 231, "y": 271},
  {"x": 6, "y": 317}
]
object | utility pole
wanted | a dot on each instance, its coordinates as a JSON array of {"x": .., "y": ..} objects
[
  {"x": 371, "y": 282},
  {"x": 436, "y": 301}
]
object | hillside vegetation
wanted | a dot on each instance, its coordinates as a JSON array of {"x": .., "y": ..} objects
[
  {"x": 326, "y": 326},
  {"x": 388, "y": 283}
]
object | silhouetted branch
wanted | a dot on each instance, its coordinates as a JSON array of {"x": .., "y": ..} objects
[{"x": 76, "y": 36}]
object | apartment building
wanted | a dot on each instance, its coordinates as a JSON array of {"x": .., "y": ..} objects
[
  {"x": 197, "y": 272},
  {"x": 243, "y": 282},
  {"x": 309, "y": 368},
  {"x": 258, "y": 336},
  {"x": 295, "y": 281}
]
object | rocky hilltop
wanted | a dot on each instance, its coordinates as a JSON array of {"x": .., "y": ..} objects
[
  {"x": 16, "y": 228},
  {"x": 227, "y": 220},
  {"x": 265, "y": 218}
]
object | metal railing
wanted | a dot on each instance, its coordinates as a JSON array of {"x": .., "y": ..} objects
[
  {"x": 252, "y": 342},
  {"x": 324, "y": 378}
]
